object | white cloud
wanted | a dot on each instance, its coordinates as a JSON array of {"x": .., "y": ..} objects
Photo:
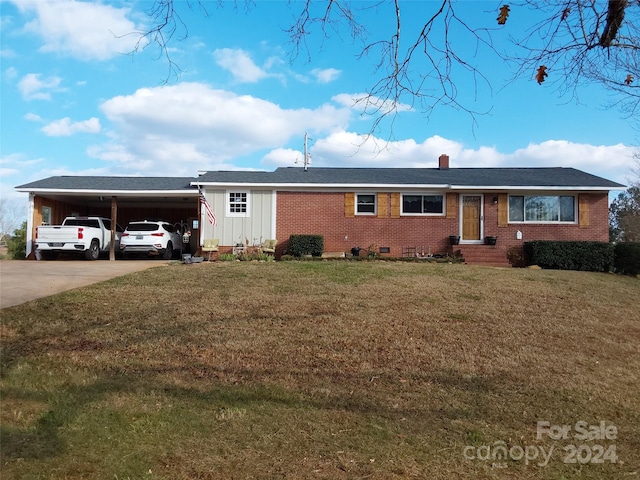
[
  {"x": 65, "y": 127},
  {"x": 351, "y": 149},
  {"x": 325, "y": 75},
  {"x": 19, "y": 161},
  {"x": 239, "y": 64},
  {"x": 569, "y": 154},
  {"x": 83, "y": 30},
  {"x": 282, "y": 157},
  {"x": 33, "y": 87},
  {"x": 365, "y": 103},
  {"x": 32, "y": 117},
  {"x": 612, "y": 162},
  {"x": 10, "y": 73},
  {"x": 183, "y": 128},
  {"x": 5, "y": 172},
  {"x": 14, "y": 166}
]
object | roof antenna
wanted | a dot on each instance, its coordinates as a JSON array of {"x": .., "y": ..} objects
[{"x": 307, "y": 156}]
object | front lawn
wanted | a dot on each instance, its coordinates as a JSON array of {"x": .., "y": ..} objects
[{"x": 328, "y": 370}]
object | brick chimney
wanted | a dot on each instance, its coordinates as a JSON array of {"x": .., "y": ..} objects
[{"x": 443, "y": 162}]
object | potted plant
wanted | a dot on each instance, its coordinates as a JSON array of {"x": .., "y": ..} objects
[
  {"x": 454, "y": 239},
  {"x": 490, "y": 240}
]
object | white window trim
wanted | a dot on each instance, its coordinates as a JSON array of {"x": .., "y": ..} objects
[
  {"x": 229, "y": 213},
  {"x": 538, "y": 222},
  {"x": 375, "y": 204},
  {"x": 424, "y": 194}
]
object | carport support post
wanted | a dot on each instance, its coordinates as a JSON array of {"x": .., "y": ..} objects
[{"x": 114, "y": 221}]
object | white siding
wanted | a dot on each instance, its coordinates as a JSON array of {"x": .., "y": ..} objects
[{"x": 255, "y": 227}]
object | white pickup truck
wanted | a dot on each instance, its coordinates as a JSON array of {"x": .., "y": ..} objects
[{"x": 90, "y": 236}]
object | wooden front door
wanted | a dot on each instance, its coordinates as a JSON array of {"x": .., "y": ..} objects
[{"x": 471, "y": 217}]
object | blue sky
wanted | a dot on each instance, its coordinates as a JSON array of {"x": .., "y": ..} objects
[{"x": 74, "y": 103}]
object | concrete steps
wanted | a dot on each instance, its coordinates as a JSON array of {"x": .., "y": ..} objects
[{"x": 486, "y": 255}]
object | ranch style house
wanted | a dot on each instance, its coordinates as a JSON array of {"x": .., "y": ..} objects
[{"x": 482, "y": 213}]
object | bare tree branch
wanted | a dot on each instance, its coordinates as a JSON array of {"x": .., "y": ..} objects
[
  {"x": 577, "y": 49},
  {"x": 579, "y": 41}
]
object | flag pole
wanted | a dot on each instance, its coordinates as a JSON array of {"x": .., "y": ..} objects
[{"x": 201, "y": 223}]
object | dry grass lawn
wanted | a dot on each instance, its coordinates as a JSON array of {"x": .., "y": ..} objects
[{"x": 327, "y": 370}]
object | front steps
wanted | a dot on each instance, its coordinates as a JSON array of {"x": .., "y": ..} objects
[{"x": 485, "y": 255}]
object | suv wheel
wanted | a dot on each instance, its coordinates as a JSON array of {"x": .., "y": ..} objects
[{"x": 168, "y": 252}]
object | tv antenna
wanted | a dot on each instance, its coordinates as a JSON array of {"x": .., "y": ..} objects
[{"x": 307, "y": 156}]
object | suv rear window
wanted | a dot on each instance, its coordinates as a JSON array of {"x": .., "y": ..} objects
[{"x": 142, "y": 227}]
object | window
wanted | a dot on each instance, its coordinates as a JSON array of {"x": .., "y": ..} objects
[
  {"x": 542, "y": 208},
  {"x": 365, "y": 204},
  {"x": 423, "y": 204},
  {"x": 238, "y": 204},
  {"x": 46, "y": 215},
  {"x": 82, "y": 222}
]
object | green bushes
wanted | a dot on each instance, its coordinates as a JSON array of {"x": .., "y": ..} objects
[
  {"x": 627, "y": 258},
  {"x": 17, "y": 244},
  {"x": 567, "y": 255},
  {"x": 246, "y": 257},
  {"x": 300, "y": 245}
]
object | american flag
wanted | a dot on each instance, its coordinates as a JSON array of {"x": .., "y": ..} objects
[{"x": 207, "y": 208}]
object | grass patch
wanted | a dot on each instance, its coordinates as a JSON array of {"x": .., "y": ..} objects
[{"x": 333, "y": 370}]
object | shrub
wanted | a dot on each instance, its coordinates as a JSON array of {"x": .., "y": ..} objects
[
  {"x": 516, "y": 256},
  {"x": 568, "y": 255},
  {"x": 17, "y": 244},
  {"x": 627, "y": 258},
  {"x": 227, "y": 257},
  {"x": 300, "y": 245},
  {"x": 256, "y": 256}
]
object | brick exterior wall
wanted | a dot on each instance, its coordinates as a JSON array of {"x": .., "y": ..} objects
[
  {"x": 324, "y": 213},
  {"x": 597, "y": 230}
]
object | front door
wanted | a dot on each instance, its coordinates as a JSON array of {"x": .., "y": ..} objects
[{"x": 471, "y": 218}]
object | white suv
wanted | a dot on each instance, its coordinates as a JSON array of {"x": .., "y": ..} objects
[{"x": 151, "y": 237}]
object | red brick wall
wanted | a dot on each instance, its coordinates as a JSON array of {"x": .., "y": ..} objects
[
  {"x": 598, "y": 229},
  {"x": 324, "y": 214}
]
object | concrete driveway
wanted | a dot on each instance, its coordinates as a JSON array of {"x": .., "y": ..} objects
[{"x": 25, "y": 280}]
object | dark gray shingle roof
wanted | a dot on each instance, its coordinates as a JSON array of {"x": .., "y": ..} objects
[
  {"x": 556, "y": 177},
  {"x": 467, "y": 177},
  {"x": 112, "y": 183}
]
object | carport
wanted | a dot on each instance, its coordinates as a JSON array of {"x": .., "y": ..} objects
[{"x": 123, "y": 199}]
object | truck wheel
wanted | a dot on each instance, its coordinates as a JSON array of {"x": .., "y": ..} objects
[
  {"x": 168, "y": 252},
  {"x": 93, "y": 252}
]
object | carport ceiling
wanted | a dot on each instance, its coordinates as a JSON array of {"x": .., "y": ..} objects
[{"x": 94, "y": 200}]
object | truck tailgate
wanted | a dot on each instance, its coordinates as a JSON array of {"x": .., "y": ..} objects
[{"x": 58, "y": 234}]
